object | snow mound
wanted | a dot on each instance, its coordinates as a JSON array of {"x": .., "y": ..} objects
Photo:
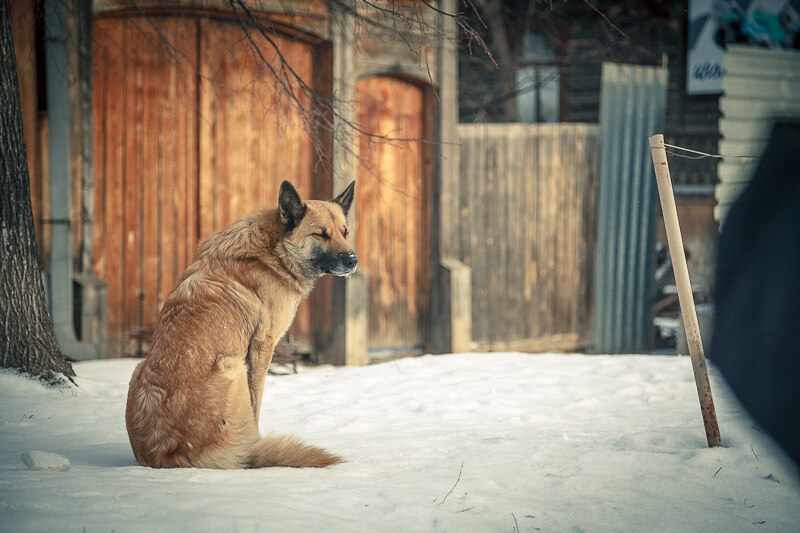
[{"x": 39, "y": 460}]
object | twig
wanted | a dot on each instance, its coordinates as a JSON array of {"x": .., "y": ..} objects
[
  {"x": 717, "y": 472},
  {"x": 604, "y": 17},
  {"x": 754, "y": 453},
  {"x": 454, "y": 486},
  {"x": 516, "y": 526}
]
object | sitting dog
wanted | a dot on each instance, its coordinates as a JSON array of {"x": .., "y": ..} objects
[{"x": 195, "y": 400}]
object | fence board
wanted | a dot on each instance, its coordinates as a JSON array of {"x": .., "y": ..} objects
[{"x": 527, "y": 218}]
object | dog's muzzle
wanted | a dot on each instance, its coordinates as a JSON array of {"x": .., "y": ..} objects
[{"x": 341, "y": 264}]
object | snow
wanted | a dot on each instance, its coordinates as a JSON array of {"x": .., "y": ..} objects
[
  {"x": 465, "y": 442},
  {"x": 39, "y": 460}
]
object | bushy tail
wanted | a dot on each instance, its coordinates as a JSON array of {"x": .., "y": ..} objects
[{"x": 288, "y": 451}]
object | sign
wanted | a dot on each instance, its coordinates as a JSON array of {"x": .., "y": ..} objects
[{"x": 713, "y": 24}]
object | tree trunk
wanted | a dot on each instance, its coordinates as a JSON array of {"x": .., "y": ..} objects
[
  {"x": 27, "y": 341},
  {"x": 503, "y": 51}
]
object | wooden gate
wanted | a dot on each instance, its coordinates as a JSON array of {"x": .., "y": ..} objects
[
  {"x": 527, "y": 217},
  {"x": 393, "y": 208},
  {"x": 190, "y": 134}
]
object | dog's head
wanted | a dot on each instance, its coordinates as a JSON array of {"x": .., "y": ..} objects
[{"x": 316, "y": 231}]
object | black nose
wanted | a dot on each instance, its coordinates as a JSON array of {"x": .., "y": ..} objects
[{"x": 348, "y": 259}]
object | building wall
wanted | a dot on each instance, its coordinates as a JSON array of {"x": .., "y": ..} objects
[
  {"x": 760, "y": 87},
  {"x": 628, "y": 31}
]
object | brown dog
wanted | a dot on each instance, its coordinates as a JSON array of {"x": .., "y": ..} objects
[{"x": 195, "y": 399}]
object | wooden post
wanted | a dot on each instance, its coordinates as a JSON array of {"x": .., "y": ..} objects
[
  {"x": 659, "y": 154},
  {"x": 455, "y": 323},
  {"x": 348, "y": 342}
]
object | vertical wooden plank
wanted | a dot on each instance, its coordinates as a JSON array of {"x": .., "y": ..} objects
[
  {"x": 222, "y": 78},
  {"x": 426, "y": 235},
  {"x": 255, "y": 200},
  {"x": 517, "y": 221},
  {"x": 168, "y": 138},
  {"x": 206, "y": 123},
  {"x": 528, "y": 245},
  {"x": 413, "y": 117},
  {"x": 478, "y": 238},
  {"x": 189, "y": 109},
  {"x": 303, "y": 62},
  {"x": 305, "y": 159},
  {"x": 498, "y": 241},
  {"x": 76, "y": 136},
  {"x": 114, "y": 135},
  {"x": 233, "y": 137},
  {"x": 400, "y": 320},
  {"x": 132, "y": 179},
  {"x": 273, "y": 148},
  {"x": 543, "y": 251},
  {"x": 100, "y": 95},
  {"x": 150, "y": 174},
  {"x": 365, "y": 238},
  {"x": 567, "y": 216}
]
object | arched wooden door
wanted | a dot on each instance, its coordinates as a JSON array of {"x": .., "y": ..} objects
[
  {"x": 393, "y": 209},
  {"x": 190, "y": 134}
]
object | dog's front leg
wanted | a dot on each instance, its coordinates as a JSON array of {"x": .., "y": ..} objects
[{"x": 259, "y": 357}]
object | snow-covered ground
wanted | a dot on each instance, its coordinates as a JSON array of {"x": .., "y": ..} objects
[{"x": 471, "y": 442}]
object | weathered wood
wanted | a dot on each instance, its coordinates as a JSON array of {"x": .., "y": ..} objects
[
  {"x": 685, "y": 296},
  {"x": 392, "y": 209},
  {"x": 132, "y": 183},
  {"x": 191, "y": 135},
  {"x": 109, "y": 193},
  {"x": 351, "y": 336},
  {"x": 559, "y": 342},
  {"x": 456, "y": 284},
  {"x": 526, "y": 230},
  {"x": 150, "y": 178}
]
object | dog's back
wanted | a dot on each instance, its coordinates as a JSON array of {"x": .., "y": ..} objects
[{"x": 194, "y": 400}]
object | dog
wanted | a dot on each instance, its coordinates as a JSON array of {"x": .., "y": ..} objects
[{"x": 195, "y": 399}]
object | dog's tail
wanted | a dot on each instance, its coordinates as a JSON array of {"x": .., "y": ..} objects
[{"x": 288, "y": 451}]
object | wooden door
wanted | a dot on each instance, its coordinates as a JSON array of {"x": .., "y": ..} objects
[
  {"x": 393, "y": 209},
  {"x": 251, "y": 137},
  {"x": 189, "y": 136}
]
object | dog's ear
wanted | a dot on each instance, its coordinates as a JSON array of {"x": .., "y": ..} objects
[
  {"x": 291, "y": 207},
  {"x": 346, "y": 198}
]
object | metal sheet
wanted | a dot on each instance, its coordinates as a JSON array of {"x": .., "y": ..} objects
[{"x": 632, "y": 107}]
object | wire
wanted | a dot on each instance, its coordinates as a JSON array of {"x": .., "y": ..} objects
[{"x": 701, "y": 155}]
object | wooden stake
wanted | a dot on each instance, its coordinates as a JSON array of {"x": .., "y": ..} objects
[{"x": 659, "y": 153}]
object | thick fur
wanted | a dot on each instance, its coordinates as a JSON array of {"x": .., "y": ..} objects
[{"x": 196, "y": 398}]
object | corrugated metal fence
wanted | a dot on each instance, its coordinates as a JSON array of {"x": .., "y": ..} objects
[
  {"x": 527, "y": 219},
  {"x": 632, "y": 107},
  {"x": 760, "y": 86}
]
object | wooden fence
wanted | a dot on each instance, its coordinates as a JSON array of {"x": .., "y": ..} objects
[{"x": 527, "y": 229}]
